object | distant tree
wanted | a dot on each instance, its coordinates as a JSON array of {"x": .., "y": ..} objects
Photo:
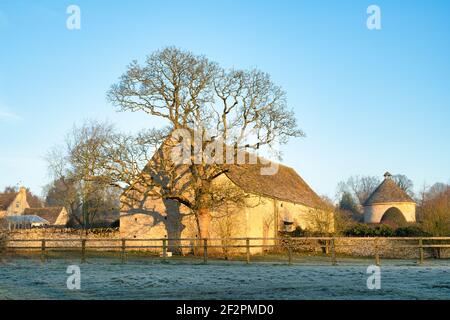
[
  {"x": 343, "y": 220},
  {"x": 359, "y": 187},
  {"x": 436, "y": 214},
  {"x": 436, "y": 190},
  {"x": 348, "y": 203},
  {"x": 326, "y": 199},
  {"x": 405, "y": 184},
  {"x": 349, "y": 207},
  {"x": 322, "y": 222},
  {"x": 11, "y": 189},
  {"x": 74, "y": 168}
]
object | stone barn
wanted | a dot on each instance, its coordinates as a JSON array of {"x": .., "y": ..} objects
[
  {"x": 273, "y": 203},
  {"x": 389, "y": 203}
]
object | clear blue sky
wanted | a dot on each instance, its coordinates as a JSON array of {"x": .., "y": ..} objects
[{"x": 369, "y": 101}]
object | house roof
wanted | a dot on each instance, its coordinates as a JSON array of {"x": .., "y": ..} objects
[
  {"x": 50, "y": 214},
  {"x": 6, "y": 199},
  {"x": 285, "y": 184},
  {"x": 26, "y": 219},
  {"x": 33, "y": 201},
  {"x": 388, "y": 191}
]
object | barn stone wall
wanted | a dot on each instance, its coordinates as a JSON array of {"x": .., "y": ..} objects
[{"x": 262, "y": 217}]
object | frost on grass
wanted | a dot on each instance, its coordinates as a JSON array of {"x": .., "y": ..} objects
[{"x": 141, "y": 278}]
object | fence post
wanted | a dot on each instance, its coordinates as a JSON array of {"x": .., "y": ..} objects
[
  {"x": 247, "y": 243},
  {"x": 83, "y": 250},
  {"x": 333, "y": 252},
  {"x": 421, "y": 250},
  {"x": 43, "y": 257},
  {"x": 290, "y": 251},
  {"x": 377, "y": 255},
  {"x": 196, "y": 244},
  {"x": 164, "y": 249},
  {"x": 123, "y": 250},
  {"x": 205, "y": 251}
]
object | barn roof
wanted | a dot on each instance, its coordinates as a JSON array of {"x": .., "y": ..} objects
[
  {"x": 6, "y": 199},
  {"x": 286, "y": 184},
  {"x": 50, "y": 214},
  {"x": 388, "y": 191}
]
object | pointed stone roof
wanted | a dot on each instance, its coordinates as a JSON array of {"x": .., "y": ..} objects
[{"x": 388, "y": 191}]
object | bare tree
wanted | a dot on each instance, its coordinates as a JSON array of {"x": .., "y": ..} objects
[
  {"x": 436, "y": 214},
  {"x": 436, "y": 190},
  {"x": 360, "y": 187},
  {"x": 343, "y": 219},
  {"x": 76, "y": 168},
  {"x": 189, "y": 92},
  {"x": 405, "y": 184},
  {"x": 320, "y": 221}
]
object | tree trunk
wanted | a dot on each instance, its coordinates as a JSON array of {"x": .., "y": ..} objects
[
  {"x": 203, "y": 213},
  {"x": 203, "y": 218},
  {"x": 203, "y": 222}
]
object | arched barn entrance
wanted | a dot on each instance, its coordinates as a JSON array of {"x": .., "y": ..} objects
[{"x": 393, "y": 217}]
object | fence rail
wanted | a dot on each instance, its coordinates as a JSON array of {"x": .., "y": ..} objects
[{"x": 203, "y": 247}]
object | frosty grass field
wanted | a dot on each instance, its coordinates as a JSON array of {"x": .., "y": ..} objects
[{"x": 146, "y": 278}]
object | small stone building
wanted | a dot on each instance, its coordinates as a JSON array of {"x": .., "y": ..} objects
[{"x": 387, "y": 202}]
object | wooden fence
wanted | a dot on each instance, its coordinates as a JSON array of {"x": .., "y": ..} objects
[{"x": 203, "y": 247}]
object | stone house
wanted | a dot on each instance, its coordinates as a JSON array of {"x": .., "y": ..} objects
[
  {"x": 21, "y": 209},
  {"x": 389, "y": 202},
  {"x": 273, "y": 203},
  {"x": 13, "y": 203}
]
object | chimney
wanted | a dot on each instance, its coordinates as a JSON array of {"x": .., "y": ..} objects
[{"x": 23, "y": 190}]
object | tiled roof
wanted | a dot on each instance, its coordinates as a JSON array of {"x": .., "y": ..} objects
[
  {"x": 388, "y": 191},
  {"x": 286, "y": 184},
  {"x": 6, "y": 199},
  {"x": 50, "y": 214}
]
